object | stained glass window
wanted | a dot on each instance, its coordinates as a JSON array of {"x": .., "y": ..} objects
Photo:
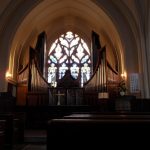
[{"x": 69, "y": 51}]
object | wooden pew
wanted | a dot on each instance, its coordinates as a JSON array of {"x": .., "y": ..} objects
[
  {"x": 8, "y": 129},
  {"x": 109, "y": 115},
  {"x": 2, "y": 134},
  {"x": 19, "y": 126},
  {"x": 14, "y": 129},
  {"x": 14, "y": 121},
  {"x": 2, "y": 140},
  {"x": 97, "y": 131}
]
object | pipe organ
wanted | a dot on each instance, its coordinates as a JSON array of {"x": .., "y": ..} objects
[{"x": 33, "y": 88}]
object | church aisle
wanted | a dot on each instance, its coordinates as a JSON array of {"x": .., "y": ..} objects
[
  {"x": 33, "y": 140},
  {"x": 35, "y": 136}
]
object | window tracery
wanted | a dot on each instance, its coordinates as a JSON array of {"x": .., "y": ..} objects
[{"x": 69, "y": 51}]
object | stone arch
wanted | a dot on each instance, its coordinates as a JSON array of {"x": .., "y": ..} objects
[{"x": 83, "y": 16}]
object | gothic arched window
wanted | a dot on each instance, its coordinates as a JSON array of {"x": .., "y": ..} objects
[{"x": 69, "y": 51}]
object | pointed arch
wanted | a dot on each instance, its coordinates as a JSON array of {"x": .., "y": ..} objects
[{"x": 69, "y": 52}]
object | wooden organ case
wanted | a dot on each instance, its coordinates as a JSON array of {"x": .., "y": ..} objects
[
  {"x": 34, "y": 90},
  {"x": 104, "y": 80}
]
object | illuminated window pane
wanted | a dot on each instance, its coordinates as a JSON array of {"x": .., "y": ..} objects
[
  {"x": 53, "y": 59},
  {"x": 74, "y": 71},
  {"x": 85, "y": 59},
  {"x": 58, "y": 52},
  {"x": 69, "y": 51},
  {"x": 69, "y": 36},
  {"x": 80, "y": 52},
  {"x": 52, "y": 73},
  {"x": 75, "y": 59},
  {"x": 62, "y": 70},
  {"x": 74, "y": 42},
  {"x": 63, "y": 59},
  {"x": 85, "y": 73}
]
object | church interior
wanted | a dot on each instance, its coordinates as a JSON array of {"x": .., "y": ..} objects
[{"x": 74, "y": 71}]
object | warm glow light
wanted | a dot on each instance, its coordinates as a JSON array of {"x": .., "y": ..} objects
[
  {"x": 103, "y": 95},
  {"x": 124, "y": 76},
  {"x": 8, "y": 75}
]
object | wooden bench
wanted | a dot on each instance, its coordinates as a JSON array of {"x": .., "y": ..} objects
[
  {"x": 2, "y": 134},
  {"x": 99, "y": 131},
  {"x": 8, "y": 129},
  {"x": 19, "y": 126},
  {"x": 14, "y": 129},
  {"x": 109, "y": 115}
]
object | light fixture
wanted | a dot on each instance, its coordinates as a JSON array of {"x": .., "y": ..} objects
[
  {"x": 8, "y": 75},
  {"x": 124, "y": 76}
]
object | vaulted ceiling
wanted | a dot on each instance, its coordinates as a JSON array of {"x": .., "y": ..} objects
[{"x": 115, "y": 21}]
